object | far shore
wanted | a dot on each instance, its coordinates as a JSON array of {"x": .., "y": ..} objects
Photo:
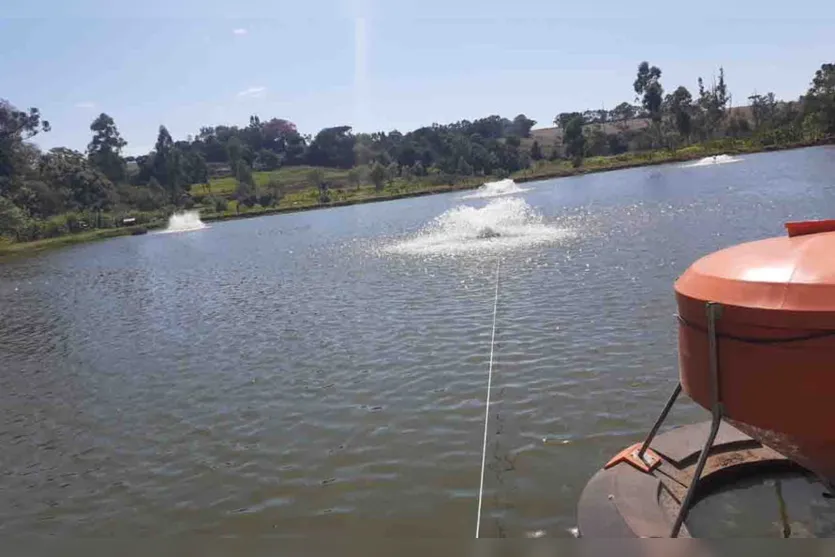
[{"x": 545, "y": 172}]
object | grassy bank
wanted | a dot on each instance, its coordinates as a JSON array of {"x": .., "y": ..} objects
[
  {"x": 8, "y": 249},
  {"x": 300, "y": 197}
]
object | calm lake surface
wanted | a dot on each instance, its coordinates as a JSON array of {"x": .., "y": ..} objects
[{"x": 325, "y": 372}]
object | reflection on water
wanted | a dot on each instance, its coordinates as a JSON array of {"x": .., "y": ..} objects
[{"x": 278, "y": 376}]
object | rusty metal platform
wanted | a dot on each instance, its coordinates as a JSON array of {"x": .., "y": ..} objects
[{"x": 625, "y": 502}]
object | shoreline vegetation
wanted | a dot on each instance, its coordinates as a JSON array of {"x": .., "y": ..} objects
[
  {"x": 62, "y": 196},
  {"x": 417, "y": 189}
]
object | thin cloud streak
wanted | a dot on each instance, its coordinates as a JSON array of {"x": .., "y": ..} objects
[{"x": 253, "y": 93}]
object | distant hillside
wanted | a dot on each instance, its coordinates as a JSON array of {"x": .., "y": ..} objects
[{"x": 550, "y": 137}]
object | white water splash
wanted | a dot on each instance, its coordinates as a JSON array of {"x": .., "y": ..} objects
[
  {"x": 503, "y": 224},
  {"x": 187, "y": 221},
  {"x": 496, "y": 189},
  {"x": 710, "y": 161}
]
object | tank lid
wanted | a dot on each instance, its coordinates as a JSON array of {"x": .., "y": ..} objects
[{"x": 791, "y": 279}]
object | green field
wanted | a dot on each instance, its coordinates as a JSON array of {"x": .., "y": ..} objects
[
  {"x": 300, "y": 196},
  {"x": 291, "y": 178}
]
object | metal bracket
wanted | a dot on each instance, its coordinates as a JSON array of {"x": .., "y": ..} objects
[
  {"x": 642, "y": 458},
  {"x": 645, "y": 461},
  {"x": 714, "y": 311}
]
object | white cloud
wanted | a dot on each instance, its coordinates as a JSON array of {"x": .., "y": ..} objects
[
  {"x": 253, "y": 93},
  {"x": 86, "y": 105},
  {"x": 239, "y": 31}
]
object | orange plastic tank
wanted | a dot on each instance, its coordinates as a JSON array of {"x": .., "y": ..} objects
[{"x": 775, "y": 340}]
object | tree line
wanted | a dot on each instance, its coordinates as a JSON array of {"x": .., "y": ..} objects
[{"x": 44, "y": 194}]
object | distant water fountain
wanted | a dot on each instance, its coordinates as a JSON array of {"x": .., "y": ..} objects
[
  {"x": 710, "y": 161},
  {"x": 186, "y": 221},
  {"x": 496, "y": 189},
  {"x": 503, "y": 224}
]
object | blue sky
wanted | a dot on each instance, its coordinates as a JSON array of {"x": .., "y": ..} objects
[{"x": 382, "y": 65}]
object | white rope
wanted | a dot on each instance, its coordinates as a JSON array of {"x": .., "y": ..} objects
[{"x": 487, "y": 406}]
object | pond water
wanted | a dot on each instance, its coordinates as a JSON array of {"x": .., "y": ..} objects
[{"x": 325, "y": 372}]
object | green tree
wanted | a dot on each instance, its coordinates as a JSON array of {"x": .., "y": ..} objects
[
  {"x": 820, "y": 100},
  {"x": 574, "y": 140},
  {"x": 763, "y": 110},
  {"x": 218, "y": 204},
  {"x": 392, "y": 172},
  {"x": 70, "y": 172},
  {"x": 195, "y": 168},
  {"x": 276, "y": 189},
  {"x": 648, "y": 86},
  {"x": 622, "y": 114},
  {"x": 16, "y": 127},
  {"x": 245, "y": 192},
  {"x": 536, "y": 151},
  {"x": 679, "y": 105},
  {"x": 167, "y": 165},
  {"x": 464, "y": 168},
  {"x": 332, "y": 147},
  {"x": 12, "y": 218},
  {"x": 418, "y": 169},
  {"x": 377, "y": 175},
  {"x": 521, "y": 126},
  {"x": 713, "y": 103},
  {"x": 105, "y": 149},
  {"x": 738, "y": 126},
  {"x": 267, "y": 160},
  {"x": 355, "y": 178},
  {"x": 234, "y": 151},
  {"x": 316, "y": 177},
  {"x": 19, "y": 124},
  {"x": 596, "y": 142}
]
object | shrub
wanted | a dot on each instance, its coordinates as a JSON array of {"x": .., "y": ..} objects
[{"x": 266, "y": 200}]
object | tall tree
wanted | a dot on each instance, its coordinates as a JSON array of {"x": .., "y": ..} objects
[
  {"x": 713, "y": 102},
  {"x": 167, "y": 165},
  {"x": 245, "y": 192},
  {"x": 679, "y": 104},
  {"x": 195, "y": 169},
  {"x": 355, "y": 177},
  {"x": 377, "y": 175},
  {"x": 105, "y": 149},
  {"x": 11, "y": 218},
  {"x": 333, "y": 147},
  {"x": 234, "y": 151},
  {"x": 521, "y": 126},
  {"x": 648, "y": 86},
  {"x": 820, "y": 100},
  {"x": 19, "y": 124},
  {"x": 392, "y": 172},
  {"x": 16, "y": 126},
  {"x": 574, "y": 140},
  {"x": 763, "y": 109}
]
